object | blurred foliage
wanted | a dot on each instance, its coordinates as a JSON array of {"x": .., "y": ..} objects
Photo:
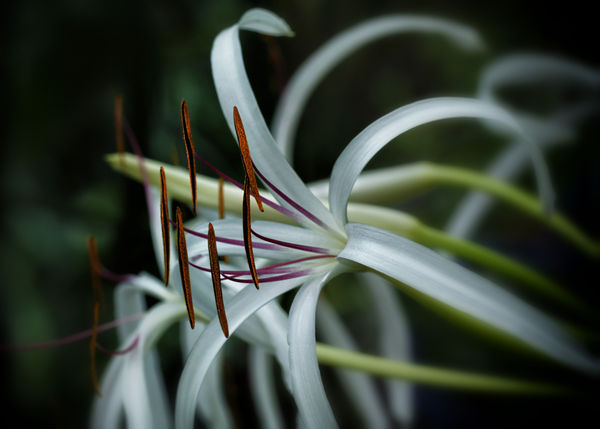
[{"x": 64, "y": 61}]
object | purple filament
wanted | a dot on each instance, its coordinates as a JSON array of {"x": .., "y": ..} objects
[
  {"x": 272, "y": 204},
  {"x": 126, "y": 350},
  {"x": 291, "y": 245},
  {"x": 288, "y": 200},
  {"x": 75, "y": 337}
]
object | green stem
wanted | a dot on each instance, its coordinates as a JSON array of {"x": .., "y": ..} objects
[
  {"x": 398, "y": 183},
  {"x": 428, "y": 375},
  {"x": 524, "y": 201}
]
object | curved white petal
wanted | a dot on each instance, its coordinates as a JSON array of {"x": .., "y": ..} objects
[
  {"x": 233, "y": 89},
  {"x": 547, "y": 131},
  {"x": 264, "y": 393},
  {"x": 433, "y": 277},
  {"x": 307, "y": 385},
  {"x": 315, "y": 68},
  {"x": 241, "y": 307},
  {"x": 366, "y": 144},
  {"x": 129, "y": 299},
  {"x": 359, "y": 387},
  {"x": 534, "y": 68},
  {"x": 107, "y": 409},
  {"x": 137, "y": 400},
  {"x": 470, "y": 211},
  {"x": 394, "y": 343},
  {"x": 212, "y": 404}
]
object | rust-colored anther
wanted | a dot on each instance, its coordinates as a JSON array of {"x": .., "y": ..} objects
[
  {"x": 189, "y": 151},
  {"x": 215, "y": 272},
  {"x": 221, "y": 199},
  {"x": 97, "y": 294},
  {"x": 164, "y": 223},
  {"x": 246, "y": 220},
  {"x": 119, "y": 137},
  {"x": 247, "y": 160},
  {"x": 184, "y": 269}
]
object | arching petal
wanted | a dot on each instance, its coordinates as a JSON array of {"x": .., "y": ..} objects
[
  {"x": 263, "y": 389},
  {"x": 233, "y": 89},
  {"x": 108, "y": 408},
  {"x": 212, "y": 403},
  {"x": 429, "y": 276},
  {"x": 315, "y": 68},
  {"x": 366, "y": 144},
  {"x": 136, "y": 397},
  {"x": 307, "y": 385},
  {"x": 359, "y": 387},
  {"x": 394, "y": 343},
  {"x": 130, "y": 299},
  {"x": 242, "y": 306}
]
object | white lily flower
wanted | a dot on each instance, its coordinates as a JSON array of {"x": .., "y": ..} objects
[
  {"x": 320, "y": 245},
  {"x": 326, "y": 245}
]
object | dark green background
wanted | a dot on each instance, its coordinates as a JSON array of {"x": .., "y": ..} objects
[{"x": 62, "y": 64}]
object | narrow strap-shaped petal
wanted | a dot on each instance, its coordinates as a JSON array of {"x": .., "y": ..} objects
[
  {"x": 307, "y": 385},
  {"x": 315, "y": 68},
  {"x": 137, "y": 400},
  {"x": 359, "y": 387},
  {"x": 470, "y": 211},
  {"x": 107, "y": 409},
  {"x": 429, "y": 276},
  {"x": 233, "y": 89},
  {"x": 241, "y": 307},
  {"x": 129, "y": 299},
  {"x": 394, "y": 343},
  {"x": 212, "y": 404},
  {"x": 366, "y": 144},
  {"x": 262, "y": 386},
  {"x": 535, "y": 69}
]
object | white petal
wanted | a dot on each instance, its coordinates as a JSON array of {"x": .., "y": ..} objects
[
  {"x": 264, "y": 392},
  {"x": 547, "y": 131},
  {"x": 129, "y": 300},
  {"x": 366, "y": 144},
  {"x": 212, "y": 405},
  {"x": 307, "y": 385},
  {"x": 264, "y": 22},
  {"x": 470, "y": 211},
  {"x": 107, "y": 409},
  {"x": 233, "y": 89},
  {"x": 138, "y": 401},
  {"x": 242, "y": 306},
  {"x": 429, "y": 276},
  {"x": 394, "y": 343},
  {"x": 359, "y": 387},
  {"x": 315, "y": 68}
]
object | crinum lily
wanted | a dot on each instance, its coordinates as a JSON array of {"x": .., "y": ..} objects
[
  {"x": 321, "y": 245},
  {"x": 345, "y": 246}
]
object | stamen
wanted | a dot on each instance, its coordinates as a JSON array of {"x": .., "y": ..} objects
[
  {"x": 237, "y": 184},
  {"x": 221, "y": 199},
  {"x": 184, "y": 269},
  {"x": 245, "y": 150},
  {"x": 215, "y": 271},
  {"x": 124, "y": 351},
  {"x": 248, "y": 233},
  {"x": 164, "y": 222},
  {"x": 189, "y": 151},
  {"x": 97, "y": 293},
  {"x": 119, "y": 128}
]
